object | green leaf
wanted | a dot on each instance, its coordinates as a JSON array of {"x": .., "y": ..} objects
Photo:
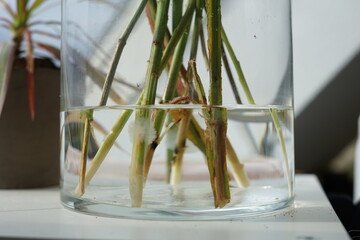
[
  {"x": 21, "y": 10},
  {"x": 35, "y": 5}
]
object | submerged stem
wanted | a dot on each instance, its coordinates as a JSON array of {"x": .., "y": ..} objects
[
  {"x": 84, "y": 151},
  {"x": 172, "y": 81},
  {"x": 176, "y": 161},
  {"x": 236, "y": 166},
  {"x": 152, "y": 147},
  {"x": 196, "y": 135},
  {"x": 216, "y": 121},
  {"x": 176, "y": 164},
  {"x": 141, "y": 141},
  {"x": 168, "y": 51},
  {"x": 84, "y": 180},
  {"x": 274, "y": 114},
  {"x": 216, "y": 155},
  {"x": 105, "y": 148},
  {"x": 280, "y": 135}
]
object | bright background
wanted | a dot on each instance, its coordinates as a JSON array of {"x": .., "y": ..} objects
[{"x": 326, "y": 36}]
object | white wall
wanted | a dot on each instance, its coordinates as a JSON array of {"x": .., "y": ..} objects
[{"x": 326, "y": 36}]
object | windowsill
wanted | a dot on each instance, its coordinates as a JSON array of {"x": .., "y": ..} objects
[{"x": 37, "y": 213}]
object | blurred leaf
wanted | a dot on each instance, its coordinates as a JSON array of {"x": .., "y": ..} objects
[
  {"x": 84, "y": 35},
  {"x": 55, "y": 52},
  {"x": 94, "y": 74},
  {"x": 2, "y": 19},
  {"x": 21, "y": 11},
  {"x": 49, "y": 5},
  {"x": 30, "y": 72},
  {"x": 6, "y": 61},
  {"x": 44, "y": 23},
  {"x": 117, "y": 6},
  {"x": 5, "y": 26},
  {"x": 7, "y": 8},
  {"x": 46, "y": 34},
  {"x": 35, "y": 5}
]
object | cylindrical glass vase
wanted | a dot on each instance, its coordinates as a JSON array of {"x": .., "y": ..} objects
[{"x": 177, "y": 110}]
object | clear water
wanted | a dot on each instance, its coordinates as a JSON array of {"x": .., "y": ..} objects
[{"x": 250, "y": 130}]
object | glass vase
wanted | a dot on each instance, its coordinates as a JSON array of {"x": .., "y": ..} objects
[{"x": 175, "y": 110}]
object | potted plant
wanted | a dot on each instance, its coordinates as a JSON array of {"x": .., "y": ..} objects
[{"x": 29, "y": 139}]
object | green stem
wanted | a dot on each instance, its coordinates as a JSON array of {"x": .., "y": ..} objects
[
  {"x": 196, "y": 135},
  {"x": 152, "y": 147},
  {"x": 216, "y": 155},
  {"x": 280, "y": 135},
  {"x": 176, "y": 161},
  {"x": 203, "y": 47},
  {"x": 170, "y": 89},
  {"x": 106, "y": 146},
  {"x": 198, "y": 85},
  {"x": 216, "y": 122},
  {"x": 230, "y": 76},
  {"x": 194, "y": 47},
  {"x": 105, "y": 95},
  {"x": 154, "y": 69},
  {"x": 274, "y": 114},
  {"x": 170, "y": 147},
  {"x": 176, "y": 164},
  {"x": 236, "y": 166},
  {"x": 158, "y": 125},
  {"x": 151, "y": 13},
  {"x": 171, "y": 84},
  {"x": 140, "y": 142},
  {"x": 175, "y": 68},
  {"x": 196, "y": 30},
  {"x": 177, "y": 34},
  {"x": 238, "y": 68},
  {"x": 119, "y": 49},
  {"x": 177, "y": 6},
  {"x": 84, "y": 150}
]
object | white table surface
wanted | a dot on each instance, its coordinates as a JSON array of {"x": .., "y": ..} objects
[{"x": 38, "y": 213}]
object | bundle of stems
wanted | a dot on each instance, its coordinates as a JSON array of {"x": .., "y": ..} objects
[{"x": 184, "y": 86}]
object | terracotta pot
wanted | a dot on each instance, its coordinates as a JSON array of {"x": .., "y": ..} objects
[{"x": 29, "y": 150}]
